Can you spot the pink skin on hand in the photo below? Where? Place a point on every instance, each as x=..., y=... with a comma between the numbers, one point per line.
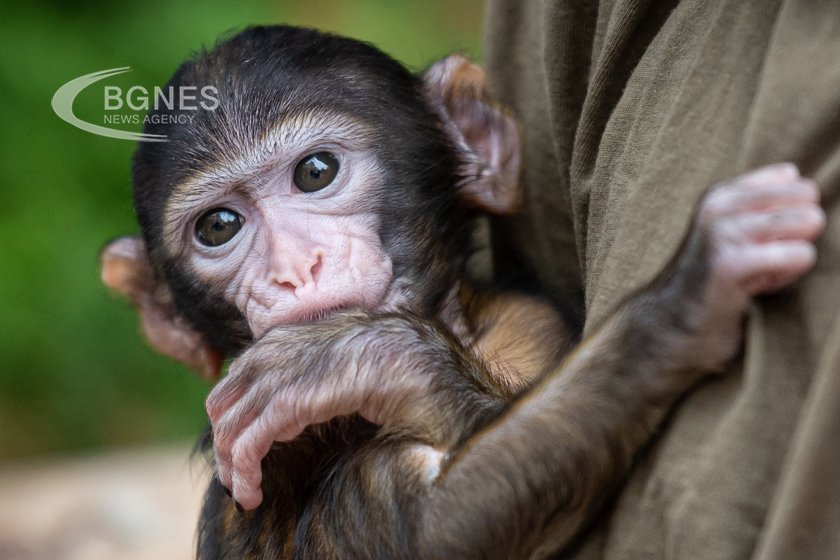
x=276, y=389
x=763, y=225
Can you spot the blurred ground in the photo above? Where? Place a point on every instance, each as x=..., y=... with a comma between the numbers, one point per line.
x=129, y=505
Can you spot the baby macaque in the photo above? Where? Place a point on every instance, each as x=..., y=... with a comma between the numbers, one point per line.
x=381, y=403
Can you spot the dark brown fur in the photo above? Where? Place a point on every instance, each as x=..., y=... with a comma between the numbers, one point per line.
x=531, y=442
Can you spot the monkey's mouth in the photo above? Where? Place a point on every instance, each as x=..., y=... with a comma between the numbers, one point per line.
x=313, y=315
x=265, y=319
x=266, y=309
x=262, y=318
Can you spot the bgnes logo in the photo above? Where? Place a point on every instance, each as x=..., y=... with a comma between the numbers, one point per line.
x=135, y=98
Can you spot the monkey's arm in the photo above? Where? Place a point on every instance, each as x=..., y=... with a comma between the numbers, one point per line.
x=453, y=475
x=538, y=470
x=526, y=483
x=444, y=479
x=449, y=483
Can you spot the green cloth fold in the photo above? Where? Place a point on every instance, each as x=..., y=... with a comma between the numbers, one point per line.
x=630, y=110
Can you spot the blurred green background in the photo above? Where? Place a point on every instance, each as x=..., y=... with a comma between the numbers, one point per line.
x=75, y=373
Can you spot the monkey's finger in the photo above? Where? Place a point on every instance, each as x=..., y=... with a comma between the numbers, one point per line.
x=242, y=412
x=248, y=452
x=774, y=173
x=223, y=467
x=228, y=428
x=224, y=440
x=769, y=283
x=733, y=199
x=246, y=494
x=773, y=266
x=226, y=394
x=224, y=463
x=800, y=222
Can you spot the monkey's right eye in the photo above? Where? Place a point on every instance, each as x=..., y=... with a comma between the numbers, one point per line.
x=218, y=226
x=316, y=172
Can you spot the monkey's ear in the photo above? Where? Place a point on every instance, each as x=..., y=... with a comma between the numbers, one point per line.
x=485, y=131
x=127, y=271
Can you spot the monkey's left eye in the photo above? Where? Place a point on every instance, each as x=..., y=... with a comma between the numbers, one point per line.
x=316, y=171
x=217, y=227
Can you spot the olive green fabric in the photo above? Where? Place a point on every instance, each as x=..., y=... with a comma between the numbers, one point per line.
x=630, y=109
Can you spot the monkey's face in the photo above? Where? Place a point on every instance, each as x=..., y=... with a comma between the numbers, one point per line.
x=327, y=177
x=289, y=228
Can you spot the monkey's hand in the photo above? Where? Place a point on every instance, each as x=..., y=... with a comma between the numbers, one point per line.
x=762, y=226
x=383, y=367
x=751, y=235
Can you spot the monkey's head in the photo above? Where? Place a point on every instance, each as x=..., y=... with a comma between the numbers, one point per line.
x=316, y=173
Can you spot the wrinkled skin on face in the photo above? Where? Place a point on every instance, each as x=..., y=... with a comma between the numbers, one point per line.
x=295, y=256
x=389, y=230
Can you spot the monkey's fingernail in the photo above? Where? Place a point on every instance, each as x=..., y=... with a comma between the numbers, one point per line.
x=238, y=506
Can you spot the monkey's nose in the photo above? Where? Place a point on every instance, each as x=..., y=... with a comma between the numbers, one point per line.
x=315, y=269
x=295, y=278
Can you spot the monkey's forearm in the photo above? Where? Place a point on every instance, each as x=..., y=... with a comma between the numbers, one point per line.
x=450, y=476
x=536, y=474
x=456, y=482
x=551, y=460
